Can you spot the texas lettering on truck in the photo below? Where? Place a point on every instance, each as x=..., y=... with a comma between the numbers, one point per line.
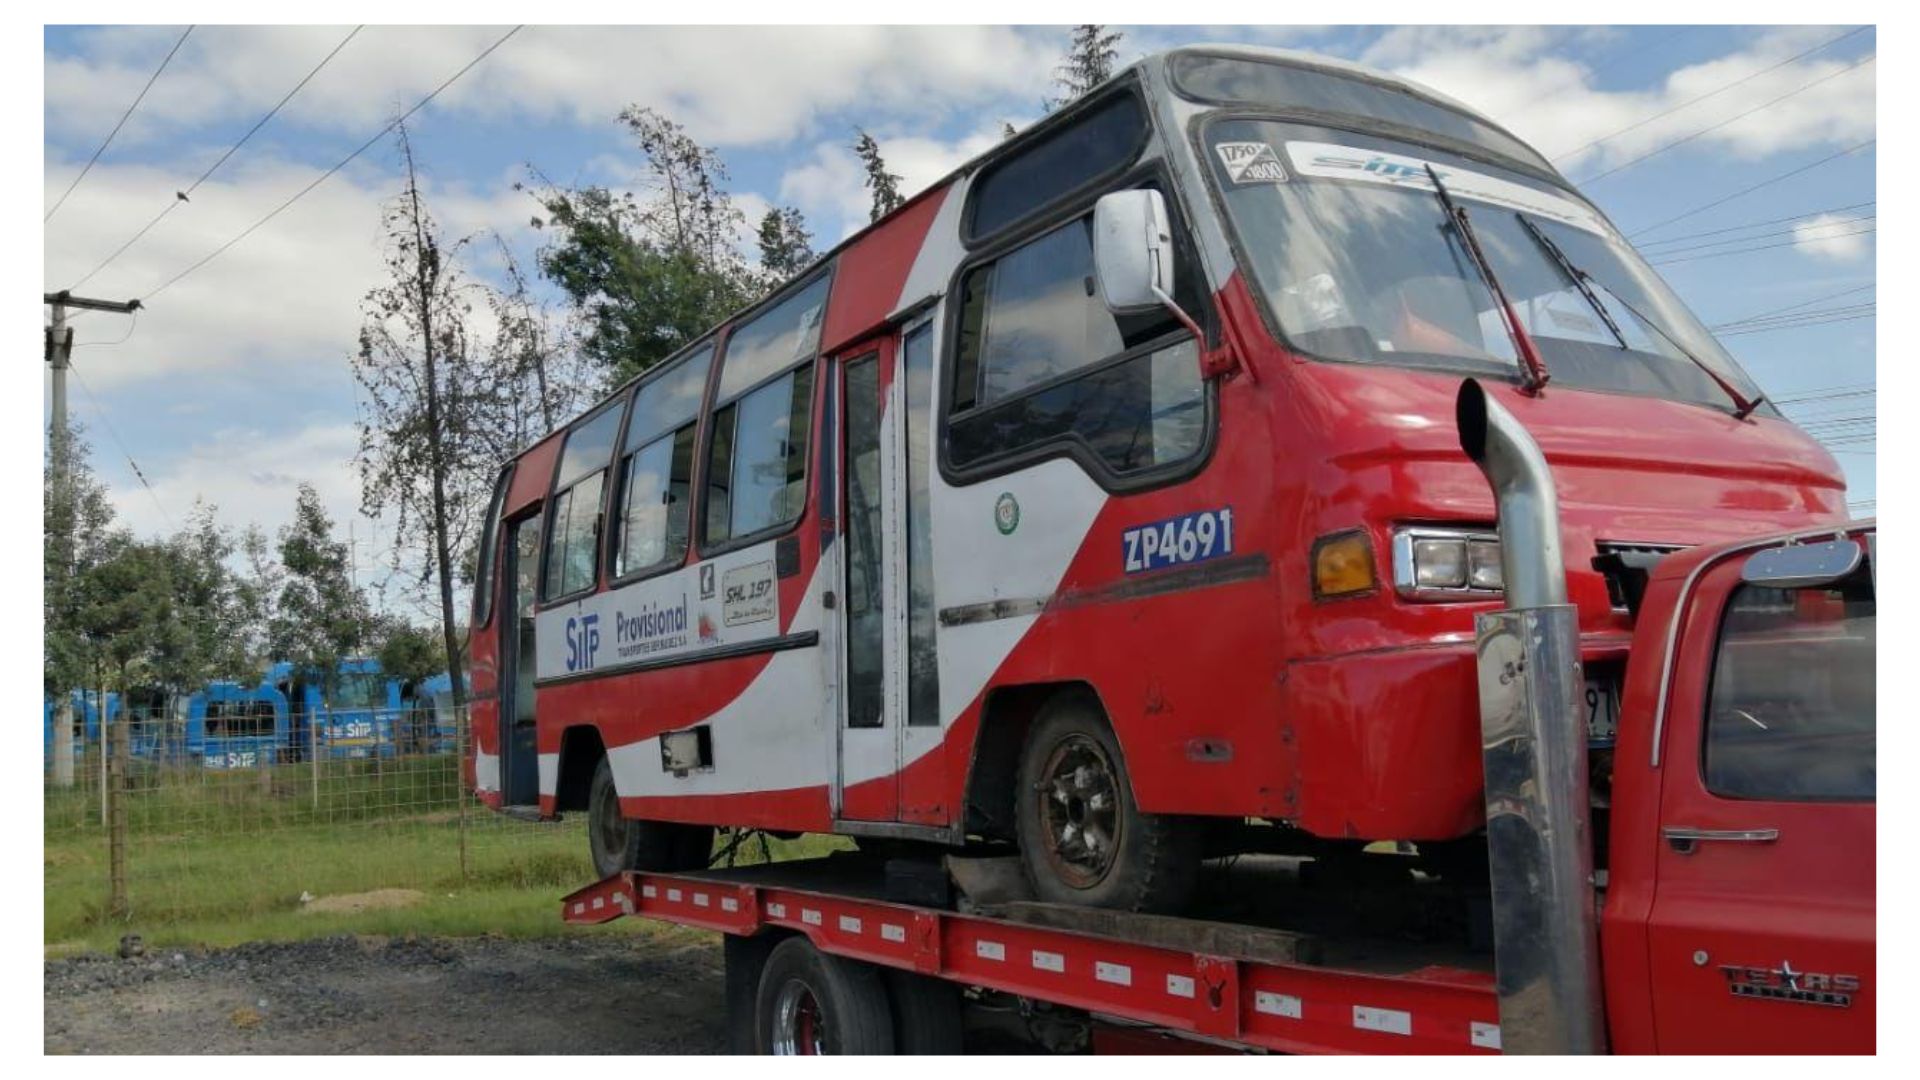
x=1162, y=487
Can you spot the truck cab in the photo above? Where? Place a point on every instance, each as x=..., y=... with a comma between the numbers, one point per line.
x=1739, y=910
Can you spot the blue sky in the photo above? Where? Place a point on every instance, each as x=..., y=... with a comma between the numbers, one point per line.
x=235, y=385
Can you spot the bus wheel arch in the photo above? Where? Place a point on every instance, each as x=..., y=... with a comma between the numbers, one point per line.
x=581, y=750
x=1082, y=835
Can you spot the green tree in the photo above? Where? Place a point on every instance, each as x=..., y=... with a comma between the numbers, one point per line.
x=647, y=275
x=1088, y=62
x=786, y=247
x=319, y=618
x=884, y=185
x=77, y=524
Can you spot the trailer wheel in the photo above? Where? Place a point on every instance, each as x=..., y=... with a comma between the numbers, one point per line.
x=813, y=1003
x=623, y=843
x=927, y=1015
x=1081, y=837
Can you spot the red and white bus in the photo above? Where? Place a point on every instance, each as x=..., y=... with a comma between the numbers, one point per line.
x=1104, y=499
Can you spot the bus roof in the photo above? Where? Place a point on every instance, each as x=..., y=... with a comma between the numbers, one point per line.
x=1152, y=62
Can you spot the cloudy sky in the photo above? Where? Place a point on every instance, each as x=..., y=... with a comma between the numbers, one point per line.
x=235, y=385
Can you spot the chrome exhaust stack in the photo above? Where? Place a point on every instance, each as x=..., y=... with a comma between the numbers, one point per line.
x=1533, y=751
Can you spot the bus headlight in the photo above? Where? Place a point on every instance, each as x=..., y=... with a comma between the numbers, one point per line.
x=1446, y=564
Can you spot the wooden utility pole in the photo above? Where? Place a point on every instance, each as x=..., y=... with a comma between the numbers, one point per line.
x=59, y=353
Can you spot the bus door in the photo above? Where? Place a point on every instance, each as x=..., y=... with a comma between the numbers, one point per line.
x=889, y=714
x=519, y=760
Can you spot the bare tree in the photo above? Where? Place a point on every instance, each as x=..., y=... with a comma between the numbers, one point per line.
x=429, y=431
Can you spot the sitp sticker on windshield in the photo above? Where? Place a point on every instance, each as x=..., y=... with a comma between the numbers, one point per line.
x=1251, y=163
x=1334, y=162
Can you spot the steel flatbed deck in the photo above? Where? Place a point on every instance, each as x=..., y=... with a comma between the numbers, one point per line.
x=1250, y=987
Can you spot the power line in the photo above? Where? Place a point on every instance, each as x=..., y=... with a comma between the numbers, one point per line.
x=113, y=434
x=116, y=128
x=1795, y=231
x=1856, y=65
x=1826, y=394
x=1767, y=320
x=1801, y=304
x=343, y=162
x=1761, y=247
x=1796, y=326
x=1713, y=93
x=180, y=197
x=1801, y=216
x=1703, y=207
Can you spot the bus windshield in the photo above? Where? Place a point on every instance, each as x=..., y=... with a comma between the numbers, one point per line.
x=1356, y=260
x=359, y=690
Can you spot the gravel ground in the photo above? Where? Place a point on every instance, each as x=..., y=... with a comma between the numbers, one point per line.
x=603, y=994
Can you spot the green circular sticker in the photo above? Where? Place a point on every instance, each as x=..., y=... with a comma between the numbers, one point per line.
x=1006, y=513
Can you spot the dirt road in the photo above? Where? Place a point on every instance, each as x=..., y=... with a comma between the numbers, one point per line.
x=608, y=994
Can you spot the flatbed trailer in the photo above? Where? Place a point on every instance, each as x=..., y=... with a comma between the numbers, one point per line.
x=1327, y=998
x=1752, y=670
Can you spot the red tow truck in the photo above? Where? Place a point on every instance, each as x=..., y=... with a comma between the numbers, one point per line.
x=1700, y=880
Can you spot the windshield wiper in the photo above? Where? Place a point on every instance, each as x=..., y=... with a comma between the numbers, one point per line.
x=1575, y=275
x=1536, y=369
x=1743, y=406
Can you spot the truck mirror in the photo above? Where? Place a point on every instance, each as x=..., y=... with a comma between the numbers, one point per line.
x=1802, y=566
x=1133, y=251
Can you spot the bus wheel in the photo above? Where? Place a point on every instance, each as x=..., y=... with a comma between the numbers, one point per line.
x=623, y=843
x=1081, y=837
x=812, y=1003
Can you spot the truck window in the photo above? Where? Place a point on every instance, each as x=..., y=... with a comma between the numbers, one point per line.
x=1791, y=711
x=574, y=532
x=656, y=470
x=1040, y=359
x=757, y=459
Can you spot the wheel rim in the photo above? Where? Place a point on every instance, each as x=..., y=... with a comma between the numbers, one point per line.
x=797, y=1023
x=1080, y=822
x=609, y=828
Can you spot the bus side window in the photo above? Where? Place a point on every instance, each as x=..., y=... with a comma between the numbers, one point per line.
x=573, y=533
x=1040, y=359
x=757, y=456
x=656, y=468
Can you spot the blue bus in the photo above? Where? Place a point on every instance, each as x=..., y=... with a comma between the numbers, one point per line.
x=230, y=726
x=437, y=718
x=86, y=715
x=357, y=723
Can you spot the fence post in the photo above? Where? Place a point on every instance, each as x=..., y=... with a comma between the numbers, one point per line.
x=313, y=756
x=63, y=741
x=116, y=769
x=460, y=783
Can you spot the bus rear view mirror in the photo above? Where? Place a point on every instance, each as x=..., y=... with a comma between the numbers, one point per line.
x=1802, y=566
x=1133, y=251
x=1133, y=260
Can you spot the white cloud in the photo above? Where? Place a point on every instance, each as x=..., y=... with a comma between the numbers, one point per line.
x=728, y=85
x=288, y=295
x=1522, y=78
x=830, y=186
x=1832, y=237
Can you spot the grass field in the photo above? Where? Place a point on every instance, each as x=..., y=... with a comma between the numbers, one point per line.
x=218, y=859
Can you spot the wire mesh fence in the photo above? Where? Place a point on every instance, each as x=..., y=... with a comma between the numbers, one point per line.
x=171, y=819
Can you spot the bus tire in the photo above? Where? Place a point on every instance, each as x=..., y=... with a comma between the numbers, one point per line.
x=1082, y=838
x=622, y=843
x=927, y=1017
x=813, y=1003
